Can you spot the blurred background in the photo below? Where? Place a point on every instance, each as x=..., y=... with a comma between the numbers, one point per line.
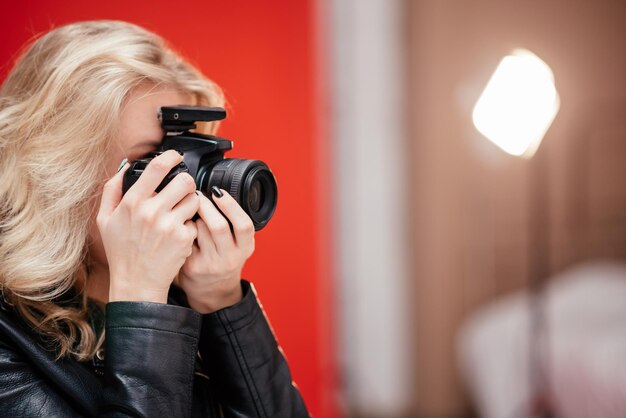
x=414, y=268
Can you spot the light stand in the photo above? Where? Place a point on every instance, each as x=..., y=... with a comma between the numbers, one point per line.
x=538, y=270
x=514, y=111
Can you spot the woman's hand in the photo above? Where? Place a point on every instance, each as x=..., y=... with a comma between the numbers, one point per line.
x=211, y=275
x=146, y=235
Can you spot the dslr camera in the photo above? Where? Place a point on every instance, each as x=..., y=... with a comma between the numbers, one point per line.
x=250, y=182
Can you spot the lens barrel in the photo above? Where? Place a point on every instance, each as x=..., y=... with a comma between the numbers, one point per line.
x=249, y=182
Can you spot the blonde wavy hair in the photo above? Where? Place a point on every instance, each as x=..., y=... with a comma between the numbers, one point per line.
x=59, y=111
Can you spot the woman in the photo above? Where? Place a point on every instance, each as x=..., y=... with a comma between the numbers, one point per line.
x=90, y=322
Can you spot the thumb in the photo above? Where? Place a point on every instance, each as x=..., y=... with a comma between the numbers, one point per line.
x=112, y=192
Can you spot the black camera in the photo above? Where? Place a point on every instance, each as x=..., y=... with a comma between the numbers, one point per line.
x=250, y=182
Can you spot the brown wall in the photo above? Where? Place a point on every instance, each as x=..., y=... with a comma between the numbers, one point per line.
x=471, y=224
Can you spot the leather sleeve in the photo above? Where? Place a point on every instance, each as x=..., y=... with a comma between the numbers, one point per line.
x=246, y=366
x=150, y=359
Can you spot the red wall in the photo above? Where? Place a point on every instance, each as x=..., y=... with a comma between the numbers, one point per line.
x=264, y=56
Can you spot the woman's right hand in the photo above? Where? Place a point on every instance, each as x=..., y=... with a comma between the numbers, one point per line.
x=147, y=236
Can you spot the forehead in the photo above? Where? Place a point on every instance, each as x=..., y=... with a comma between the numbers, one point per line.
x=139, y=121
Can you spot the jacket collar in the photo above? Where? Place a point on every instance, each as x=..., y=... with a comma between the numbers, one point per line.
x=68, y=375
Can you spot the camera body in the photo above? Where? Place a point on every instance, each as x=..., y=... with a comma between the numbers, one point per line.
x=250, y=182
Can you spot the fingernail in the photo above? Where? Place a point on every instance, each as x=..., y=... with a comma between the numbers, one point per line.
x=216, y=191
x=122, y=164
x=180, y=152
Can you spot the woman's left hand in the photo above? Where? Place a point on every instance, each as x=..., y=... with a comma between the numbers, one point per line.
x=211, y=275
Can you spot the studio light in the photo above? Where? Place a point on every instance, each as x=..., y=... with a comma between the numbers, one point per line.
x=518, y=104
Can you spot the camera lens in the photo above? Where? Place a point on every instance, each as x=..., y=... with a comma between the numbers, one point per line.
x=255, y=196
x=250, y=182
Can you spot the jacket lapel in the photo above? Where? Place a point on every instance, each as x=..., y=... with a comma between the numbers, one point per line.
x=66, y=375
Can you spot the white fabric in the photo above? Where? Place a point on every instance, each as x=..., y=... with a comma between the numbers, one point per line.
x=586, y=313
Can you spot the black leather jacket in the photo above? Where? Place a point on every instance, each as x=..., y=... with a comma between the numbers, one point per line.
x=159, y=361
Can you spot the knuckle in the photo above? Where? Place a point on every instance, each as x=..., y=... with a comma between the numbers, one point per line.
x=130, y=202
x=159, y=164
x=186, y=178
x=187, y=182
x=148, y=215
x=245, y=228
x=167, y=227
x=179, y=235
x=219, y=227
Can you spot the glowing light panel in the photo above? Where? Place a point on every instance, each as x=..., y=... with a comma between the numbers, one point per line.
x=518, y=104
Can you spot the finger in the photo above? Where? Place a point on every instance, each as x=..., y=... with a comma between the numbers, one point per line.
x=218, y=226
x=186, y=208
x=176, y=190
x=154, y=174
x=192, y=230
x=204, y=239
x=243, y=228
x=112, y=193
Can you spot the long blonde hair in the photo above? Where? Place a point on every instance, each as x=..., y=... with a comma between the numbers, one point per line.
x=59, y=109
